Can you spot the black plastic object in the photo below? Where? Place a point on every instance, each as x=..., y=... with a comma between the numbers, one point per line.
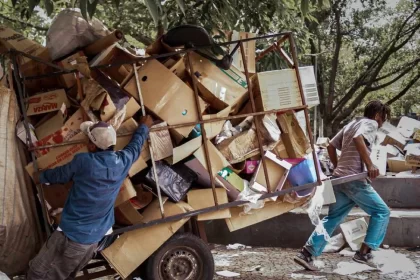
x=196, y=36
x=174, y=180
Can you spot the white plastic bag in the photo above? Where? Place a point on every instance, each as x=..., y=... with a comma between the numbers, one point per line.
x=69, y=31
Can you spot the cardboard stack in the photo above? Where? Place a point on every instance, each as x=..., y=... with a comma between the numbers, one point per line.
x=400, y=148
x=111, y=95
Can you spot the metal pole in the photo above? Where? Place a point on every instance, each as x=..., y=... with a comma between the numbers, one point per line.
x=39, y=187
x=203, y=131
x=257, y=124
x=302, y=95
x=143, y=111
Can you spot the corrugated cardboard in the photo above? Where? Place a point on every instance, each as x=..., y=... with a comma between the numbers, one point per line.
x=132, y=248
x=165, y=95
x=10, y=39
x=131, y=125
x=395, y=138
x=296, y=142
x=328, y=193
x=21, y=133
x=69, y=80
x=52, y=124
x=132, y=107
x=407, y=126
x=60, y=155
x=220, y=88
x=280, y=90
x=378, y=156
x=412, y=160
x=56, y=195
x=354, y=232
x=161, y=142
x=127, y=191
x=200, y=199
x=47, y=102
x=280, y=150
x=270, y=210
x=397, y=164
x=218, y=162
x=65, y=133
x=277, y=173
x=126, y=214
x=177, y=67
x=249, y=51
x=185, y=150
x=214, y=128
x=110, y=55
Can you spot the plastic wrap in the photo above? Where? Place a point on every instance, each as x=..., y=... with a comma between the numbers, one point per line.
x=174, y=180
x=301, y=174
x=69, y=31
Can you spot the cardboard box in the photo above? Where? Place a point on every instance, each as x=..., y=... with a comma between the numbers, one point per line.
x=378, y=156
x=52, y=123
x=161, y=143
x=132, y=107
x=396, y=139
x=249, y=51
x=397, y=164
x=407, y=126
x=214, y=128
x=270, y=210
x=126, y=192
x=328, y=193
x=56, y=195
x=177, y=67
x=412, y=160
x=220, y=88
x=21, y=133
x=280, y=90
x=294, y=139
x=126, y=214
x=416, y=135
x=280, y=150
x=185, y=150
x=10, y=39
x=110, y=55
x=60, y=155
x=354, y=232
x=70, y=128
x=127, y=253
x=172, y=100
x=47, y=102
x=228, y=175
x=69, y=80
x=128, y=126
x=277, y=174
x=200, y=199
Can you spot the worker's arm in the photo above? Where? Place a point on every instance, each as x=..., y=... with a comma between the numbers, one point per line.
x=59, y=175
x=361, y=147
x=133, y=149
x=332, y=152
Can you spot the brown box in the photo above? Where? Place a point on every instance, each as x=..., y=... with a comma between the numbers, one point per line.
x=249, y=50
x=200, y=199
x=165, y=95
x=397, y=164
x=293, y=137
x=131, y=125
x=220, y=88
x=69, y=80
x=47, y=102
x=127, y=214
x=127, y=253
x=161, y=142
x=52, y=123
x=396, y=139
x=127, y=191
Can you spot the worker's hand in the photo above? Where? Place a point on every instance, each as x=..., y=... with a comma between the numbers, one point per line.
x=146, y=120
x=35, y=177
x=373, y=171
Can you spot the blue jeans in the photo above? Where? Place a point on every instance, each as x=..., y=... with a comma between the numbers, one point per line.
x=347, y=196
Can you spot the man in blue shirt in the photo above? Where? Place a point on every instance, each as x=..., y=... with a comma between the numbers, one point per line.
x=88, y=214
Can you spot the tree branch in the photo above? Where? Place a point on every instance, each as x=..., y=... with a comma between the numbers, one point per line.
x=335, y=60
x=24, y=23
x=395, y=71
x=402, y=74
x=405, y=90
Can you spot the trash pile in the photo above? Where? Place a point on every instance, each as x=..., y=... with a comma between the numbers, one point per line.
x=56, y=105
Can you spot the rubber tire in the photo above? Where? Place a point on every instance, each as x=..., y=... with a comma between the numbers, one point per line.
x=187, y=240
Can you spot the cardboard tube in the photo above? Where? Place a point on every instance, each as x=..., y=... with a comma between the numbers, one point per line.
x=103, y=43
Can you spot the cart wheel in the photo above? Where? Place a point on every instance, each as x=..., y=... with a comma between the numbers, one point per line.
x=183, y=257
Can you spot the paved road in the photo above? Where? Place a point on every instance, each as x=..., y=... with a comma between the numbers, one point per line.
x=277, y=263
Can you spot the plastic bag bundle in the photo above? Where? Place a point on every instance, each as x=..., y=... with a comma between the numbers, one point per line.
x=69, y=31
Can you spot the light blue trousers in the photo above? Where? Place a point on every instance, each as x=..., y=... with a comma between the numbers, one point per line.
x=347, y=196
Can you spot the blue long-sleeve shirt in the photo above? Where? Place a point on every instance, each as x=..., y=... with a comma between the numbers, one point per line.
x=97, y=177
